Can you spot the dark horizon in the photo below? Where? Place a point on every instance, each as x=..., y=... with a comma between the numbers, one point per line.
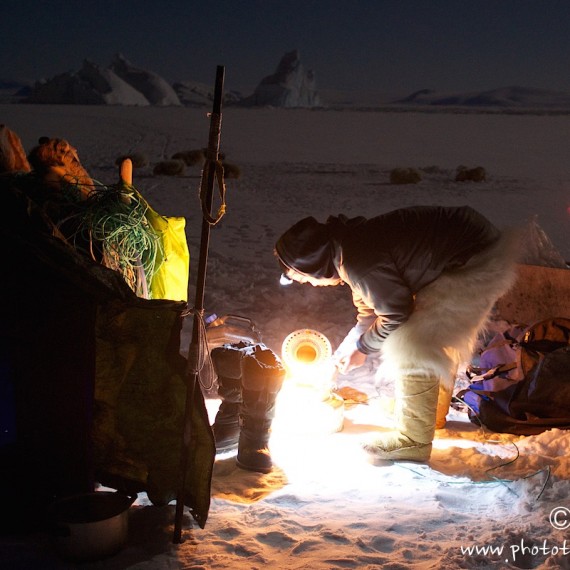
x=382, y=45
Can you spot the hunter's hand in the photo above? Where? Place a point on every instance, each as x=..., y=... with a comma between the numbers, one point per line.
x=350, y=361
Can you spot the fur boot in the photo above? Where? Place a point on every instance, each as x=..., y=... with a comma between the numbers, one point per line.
x=443, y=403
x=262, y=378
x=416, y=403
x=226, y=360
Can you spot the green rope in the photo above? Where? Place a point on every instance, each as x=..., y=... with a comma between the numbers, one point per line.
x=492, y=478
x=113, y=218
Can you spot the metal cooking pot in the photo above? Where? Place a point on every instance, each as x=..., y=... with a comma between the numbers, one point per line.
x=90, y=526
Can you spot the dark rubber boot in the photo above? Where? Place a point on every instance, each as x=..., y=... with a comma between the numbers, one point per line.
x=262, y=378
x=226, y=360
x=226, y=425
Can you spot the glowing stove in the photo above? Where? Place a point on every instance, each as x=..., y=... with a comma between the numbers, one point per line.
x=306, y=403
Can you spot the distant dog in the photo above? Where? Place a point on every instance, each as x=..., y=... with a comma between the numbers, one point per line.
x=173, y=167
x=465, y=174
x=405, y=176
x=191, y=157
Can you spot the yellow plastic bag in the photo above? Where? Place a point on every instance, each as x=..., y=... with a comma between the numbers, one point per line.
x=170, y=281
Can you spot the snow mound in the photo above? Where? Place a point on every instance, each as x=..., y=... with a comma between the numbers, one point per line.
x=289, y=86
x=91, y=85
x=194, y=94
x=156, y=90
x=505, y=97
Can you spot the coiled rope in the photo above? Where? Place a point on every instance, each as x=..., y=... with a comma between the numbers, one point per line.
x=199, y=354
x=112, y=219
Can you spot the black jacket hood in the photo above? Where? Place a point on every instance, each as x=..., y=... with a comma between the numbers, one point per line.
x=307, y=247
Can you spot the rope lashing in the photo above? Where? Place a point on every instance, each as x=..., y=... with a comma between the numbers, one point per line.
x=212, y=160
x=199, y=358
x=219, y=175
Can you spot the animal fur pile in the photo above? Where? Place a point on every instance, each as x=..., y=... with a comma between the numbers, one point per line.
x=55, y=161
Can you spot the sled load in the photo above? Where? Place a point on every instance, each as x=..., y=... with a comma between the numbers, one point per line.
x=94, y=297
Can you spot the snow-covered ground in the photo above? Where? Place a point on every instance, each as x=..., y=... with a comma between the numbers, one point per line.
x=324, y=506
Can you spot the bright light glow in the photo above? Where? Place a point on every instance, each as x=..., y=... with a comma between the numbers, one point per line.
x=301, y=411
x=306, y=404
x=442, y=443
x=284, y=280
x=307, y=355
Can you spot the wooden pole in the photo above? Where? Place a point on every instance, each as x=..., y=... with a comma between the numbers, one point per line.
x=194, y=353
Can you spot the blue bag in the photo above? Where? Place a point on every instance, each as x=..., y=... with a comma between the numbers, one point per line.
x=522, y=383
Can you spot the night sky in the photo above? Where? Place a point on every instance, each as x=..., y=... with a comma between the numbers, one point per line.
x=387, y=45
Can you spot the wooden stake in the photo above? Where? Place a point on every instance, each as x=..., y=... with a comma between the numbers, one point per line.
x=194, y=351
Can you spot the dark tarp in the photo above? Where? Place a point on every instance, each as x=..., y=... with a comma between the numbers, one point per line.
x=93, y=374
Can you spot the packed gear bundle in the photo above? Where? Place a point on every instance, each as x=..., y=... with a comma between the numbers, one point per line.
x=96, y=384
x=99, y=365
x=521, y=383
x=111, y=224
x=250, y=377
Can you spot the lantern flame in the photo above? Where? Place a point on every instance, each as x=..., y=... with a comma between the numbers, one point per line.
x=306, y=403
x=307, y=355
